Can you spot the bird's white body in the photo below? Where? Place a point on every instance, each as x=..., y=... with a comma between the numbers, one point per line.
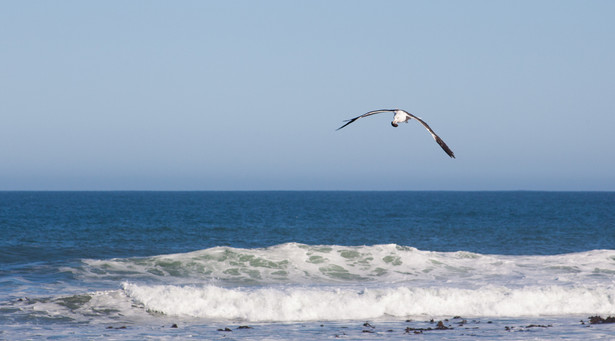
x=400, y=117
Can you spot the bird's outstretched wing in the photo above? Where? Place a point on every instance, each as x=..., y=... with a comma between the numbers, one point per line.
x=365, y=115
x=433, y=134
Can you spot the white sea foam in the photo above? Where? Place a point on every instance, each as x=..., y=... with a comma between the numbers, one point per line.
x=105, y=306
x=300, y=283
x=331, y=303
x=302, y=264
x=296, y=282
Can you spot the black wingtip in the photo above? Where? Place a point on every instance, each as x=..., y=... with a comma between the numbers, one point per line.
x=347, y=123
x=446, y=149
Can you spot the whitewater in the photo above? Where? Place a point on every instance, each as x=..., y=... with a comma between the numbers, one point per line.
x=125, y=266
x=294, y=282
x=297, y=283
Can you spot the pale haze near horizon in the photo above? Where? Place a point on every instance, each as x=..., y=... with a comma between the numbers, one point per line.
x=242, y=95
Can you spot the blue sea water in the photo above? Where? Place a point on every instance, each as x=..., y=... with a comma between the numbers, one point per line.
x=306, y=265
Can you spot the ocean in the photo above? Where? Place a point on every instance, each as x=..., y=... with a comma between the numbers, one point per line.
x=307, y=265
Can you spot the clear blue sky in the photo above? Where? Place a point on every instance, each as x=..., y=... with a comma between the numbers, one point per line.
x=246, y=95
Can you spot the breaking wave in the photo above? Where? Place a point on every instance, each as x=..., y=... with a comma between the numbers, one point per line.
x=327, y=303
x=297, y=282
x=294, y=263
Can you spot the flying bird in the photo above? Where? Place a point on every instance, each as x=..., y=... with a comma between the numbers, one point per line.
x=403, y=116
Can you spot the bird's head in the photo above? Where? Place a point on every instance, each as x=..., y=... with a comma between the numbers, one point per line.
x=394, y=124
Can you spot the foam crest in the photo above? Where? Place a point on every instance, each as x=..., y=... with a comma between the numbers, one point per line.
x=302, y=264
x=328, y=303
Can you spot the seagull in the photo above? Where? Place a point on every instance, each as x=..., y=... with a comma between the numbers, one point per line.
x=403, y=116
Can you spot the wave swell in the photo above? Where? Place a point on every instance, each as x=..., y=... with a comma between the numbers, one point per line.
x=326, y=264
